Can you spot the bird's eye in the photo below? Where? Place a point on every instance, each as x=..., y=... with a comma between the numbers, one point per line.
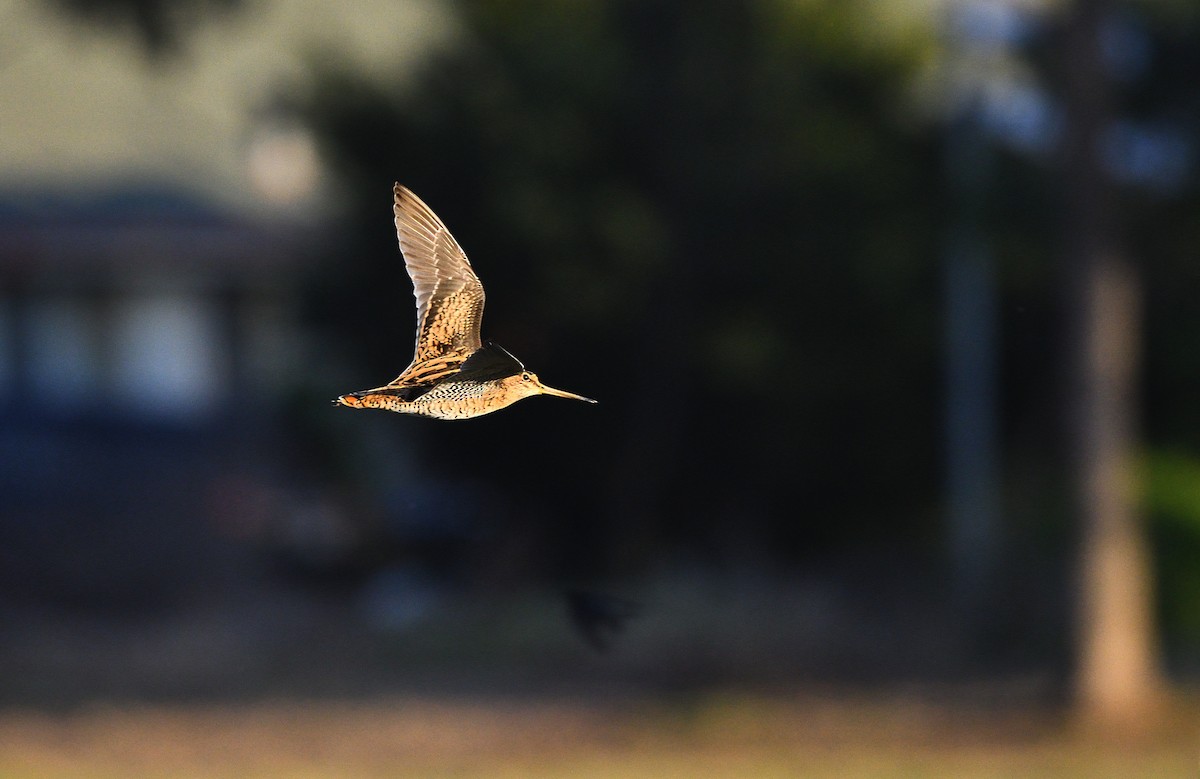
x=524, y=377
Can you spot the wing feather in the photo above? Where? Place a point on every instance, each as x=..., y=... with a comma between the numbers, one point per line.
x=449, y=295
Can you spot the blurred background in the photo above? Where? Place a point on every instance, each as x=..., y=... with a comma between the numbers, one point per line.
x=889, y=306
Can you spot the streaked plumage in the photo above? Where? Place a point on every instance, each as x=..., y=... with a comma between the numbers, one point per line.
x=453, y=375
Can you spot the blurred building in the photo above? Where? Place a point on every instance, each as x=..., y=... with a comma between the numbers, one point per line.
x=157, y=216
x=141, y=333
x=140, y=305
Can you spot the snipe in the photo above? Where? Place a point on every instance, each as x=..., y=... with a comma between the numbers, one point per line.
x=453, y=375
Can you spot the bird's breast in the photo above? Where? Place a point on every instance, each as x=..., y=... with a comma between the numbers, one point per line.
x=462, y=400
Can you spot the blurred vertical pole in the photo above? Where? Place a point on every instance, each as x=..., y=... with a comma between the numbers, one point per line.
x=970, y=373
x=970, y=346
x=1117, y=679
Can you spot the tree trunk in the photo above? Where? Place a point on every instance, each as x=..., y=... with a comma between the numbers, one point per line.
x=1117, y=679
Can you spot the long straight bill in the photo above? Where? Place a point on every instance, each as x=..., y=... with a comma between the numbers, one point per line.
x=564, y=394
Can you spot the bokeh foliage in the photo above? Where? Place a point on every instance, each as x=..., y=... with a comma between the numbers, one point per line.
x=1171, y=497
x=726, y=221
x=711, y=216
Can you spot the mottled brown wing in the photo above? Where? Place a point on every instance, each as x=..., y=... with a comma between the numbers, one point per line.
x=449, y=295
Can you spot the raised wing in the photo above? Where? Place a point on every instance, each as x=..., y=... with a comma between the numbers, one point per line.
x=449, y=295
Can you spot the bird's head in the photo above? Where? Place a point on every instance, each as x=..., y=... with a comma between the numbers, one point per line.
x=526, y=384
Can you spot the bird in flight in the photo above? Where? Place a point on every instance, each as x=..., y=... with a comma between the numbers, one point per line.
x=453, y=374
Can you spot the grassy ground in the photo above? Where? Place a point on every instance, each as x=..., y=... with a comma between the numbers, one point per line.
x=711, y=680
x=715, y=735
